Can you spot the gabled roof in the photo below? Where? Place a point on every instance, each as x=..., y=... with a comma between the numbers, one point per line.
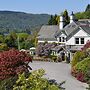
x=72, y=28
x=47, y=32
x=50, y=32
x=86, y=29
x=73, y=33
x=83, y=22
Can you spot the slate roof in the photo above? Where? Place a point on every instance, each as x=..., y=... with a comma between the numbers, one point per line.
x=86, y=29
x=57, y=48
x=70, y=28
x=73, y=33
x=47, y=32
x=74, y=27
x=50, y=32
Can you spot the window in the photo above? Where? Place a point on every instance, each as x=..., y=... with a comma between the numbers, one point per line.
x=82, y=40
x=59, y=39
x=79, y=40
x=76, y=40
x=63, y=39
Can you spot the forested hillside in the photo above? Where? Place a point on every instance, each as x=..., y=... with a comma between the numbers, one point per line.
x=85, y=14
x=20, y=21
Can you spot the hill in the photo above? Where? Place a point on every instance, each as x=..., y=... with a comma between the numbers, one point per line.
x=20, y=21
x=88, y=7
x=85, y=14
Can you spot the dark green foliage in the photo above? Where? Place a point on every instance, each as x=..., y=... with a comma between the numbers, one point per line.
x=3, y=46
x=17, y=40
x=26, y=41
x=7, y=84
x=88, y=7
x=83, y=15
x=66, y=17
x=50, y=20
x=11, y=40
x=84, y=68
x=19, y=21
x=53, y=20
x=88, y=76
x=22, y=36
x=1, y=39
x=26, y=45
x=78, y=56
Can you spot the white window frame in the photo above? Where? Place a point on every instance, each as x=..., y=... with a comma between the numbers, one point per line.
x=79, y=40
x=62, y=39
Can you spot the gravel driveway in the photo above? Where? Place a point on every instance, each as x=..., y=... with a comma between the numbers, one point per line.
x=60, y=72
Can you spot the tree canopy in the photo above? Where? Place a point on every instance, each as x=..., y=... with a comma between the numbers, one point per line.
x=55, y=19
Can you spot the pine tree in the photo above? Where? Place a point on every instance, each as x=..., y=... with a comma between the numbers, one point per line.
x=53, y=20
x=50, y=20
x=87, y=8
x=66, y=17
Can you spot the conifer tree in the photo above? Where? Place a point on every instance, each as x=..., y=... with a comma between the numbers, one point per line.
x=66, y=17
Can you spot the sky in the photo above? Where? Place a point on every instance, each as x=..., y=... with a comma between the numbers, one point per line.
x=44, y=6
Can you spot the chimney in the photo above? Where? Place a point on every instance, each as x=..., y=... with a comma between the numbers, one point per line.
x=61, y=24
x=72, y=17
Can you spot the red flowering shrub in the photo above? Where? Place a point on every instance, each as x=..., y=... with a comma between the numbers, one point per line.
x=86, y=46
x=13, y=62
x=81, y=77
x=82, y=70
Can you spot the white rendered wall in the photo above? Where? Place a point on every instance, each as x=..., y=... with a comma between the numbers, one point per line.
x=80, y=34
x=71, y=19
x=61, y=24
x=62, y=35
x=41, y=41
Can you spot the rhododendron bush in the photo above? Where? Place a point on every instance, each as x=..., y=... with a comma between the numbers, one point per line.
x=81, y=64
x=86, y=46
x=12, y=63
x=44, y=49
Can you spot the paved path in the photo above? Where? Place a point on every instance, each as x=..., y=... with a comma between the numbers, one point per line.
x=60, y=72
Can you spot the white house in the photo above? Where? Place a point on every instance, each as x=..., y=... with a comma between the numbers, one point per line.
x=73, y=36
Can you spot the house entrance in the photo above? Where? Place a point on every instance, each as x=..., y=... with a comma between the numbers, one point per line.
x=62, y=56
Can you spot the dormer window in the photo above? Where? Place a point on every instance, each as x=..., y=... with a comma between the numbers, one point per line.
x=61, y=39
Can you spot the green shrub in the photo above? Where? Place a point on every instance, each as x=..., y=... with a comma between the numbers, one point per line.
x=34, y=82
x=3, y=47
x=7, y=84
x=83, y=65
x=78, y=56
x=53, y=57
x=84, y=68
